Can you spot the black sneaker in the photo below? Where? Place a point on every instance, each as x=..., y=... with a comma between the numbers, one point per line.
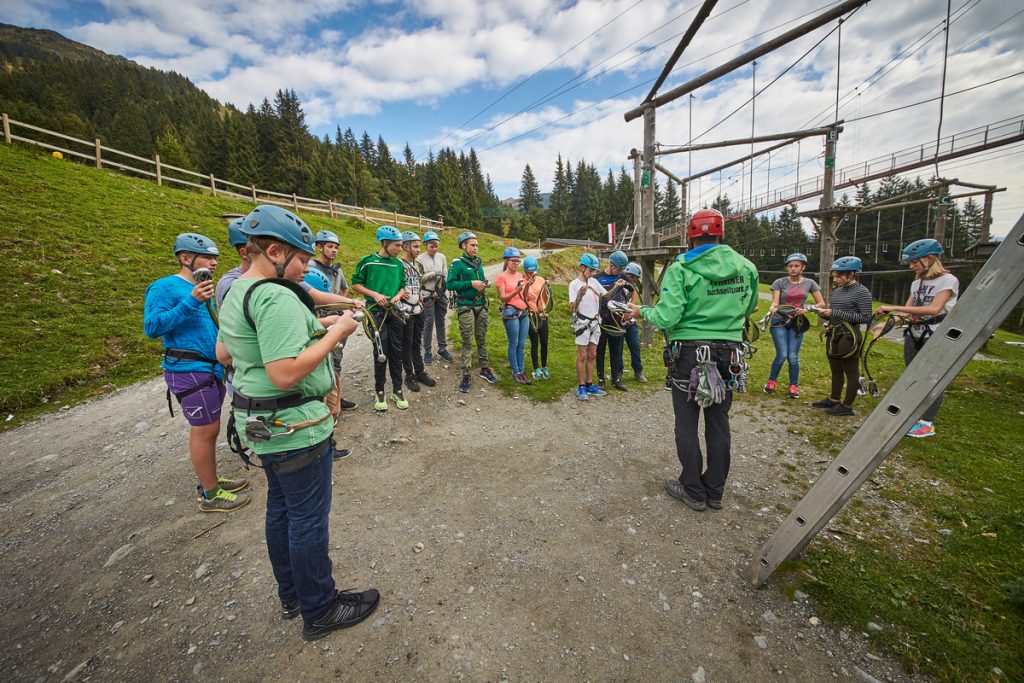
x=428, y=359
x=600, y=382
x=425, y=379
x=676, y=490
x=444, y=355
x=290, y=608
x=825, y=403
x=464, y=384
x=617, y=383
x=840, y=409
x=342, y=453
x=410, y=382
x=348, y=405
x=714, y=504
x=348, y=610
x=486, y=374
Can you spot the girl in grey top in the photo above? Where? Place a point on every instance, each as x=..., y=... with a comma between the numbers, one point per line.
x=851, y=303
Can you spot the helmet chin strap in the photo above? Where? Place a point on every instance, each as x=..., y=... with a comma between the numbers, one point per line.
x=279, y=269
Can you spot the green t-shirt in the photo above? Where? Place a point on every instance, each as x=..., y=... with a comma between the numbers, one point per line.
x=284, y=327
x=384, y=275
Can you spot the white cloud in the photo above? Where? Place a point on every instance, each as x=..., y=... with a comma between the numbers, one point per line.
x=131, y=37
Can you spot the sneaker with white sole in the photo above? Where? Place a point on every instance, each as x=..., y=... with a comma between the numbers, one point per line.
x=921, y=430
x=581, y=394
x=380, y=403
x=220, y=500
x=400, y=401
x=232, y=485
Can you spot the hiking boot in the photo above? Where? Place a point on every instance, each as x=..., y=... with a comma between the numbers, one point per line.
x=380, y=404
x=769, y=386
x=825, y=403
x=348, y=610
x=425, y=379
x=399, y=400
x=348, y=405
x=544, y=371
x=581, y=394
x=639, y=377
x=220, y=500
x=538, y=374
x=617, y=383
x=715, y=504
x=676, y=490
x=840, y=409
x=464, y=384
x=486, y=374
x=595, y=390
x=290, y=608
x=232, y=485
x=794, y=391
x=410, y=382
x=428, y=359
x=921, y=430
x=446, y=356
x=342, y=453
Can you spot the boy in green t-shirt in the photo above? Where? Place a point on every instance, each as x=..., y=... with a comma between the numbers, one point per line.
x=380, y=277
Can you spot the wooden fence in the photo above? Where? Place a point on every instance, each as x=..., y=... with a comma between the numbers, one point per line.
x=161, y=172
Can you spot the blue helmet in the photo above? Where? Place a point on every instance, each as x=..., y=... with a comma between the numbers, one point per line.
x=466, y=236
x=619, y=259
x=795, y=257
x=317, y=280
x=281, y=224
x=194, y=243
x=511, y=252
x=847, y=263
x=530, y=264
x=327, y=236
x=410, y=236
x=388, y=232
x=925, y=247
x=633, y=269
x=590, y=261
x=235, y=236
x=430, y=235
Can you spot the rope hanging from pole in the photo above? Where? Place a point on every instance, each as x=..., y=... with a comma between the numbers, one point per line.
x=942, y=96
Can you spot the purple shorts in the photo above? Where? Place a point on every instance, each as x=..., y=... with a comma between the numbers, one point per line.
x=201, y=407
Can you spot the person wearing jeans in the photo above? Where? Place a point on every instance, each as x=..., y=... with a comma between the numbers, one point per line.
x=788, y=330
x=510, y=285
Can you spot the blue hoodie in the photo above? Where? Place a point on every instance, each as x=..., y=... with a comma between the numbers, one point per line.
x=183, y=321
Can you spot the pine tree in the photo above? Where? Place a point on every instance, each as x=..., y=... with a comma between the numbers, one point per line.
x=170, y=150
x=561, y=203
x=529, y=191
x=242, y=154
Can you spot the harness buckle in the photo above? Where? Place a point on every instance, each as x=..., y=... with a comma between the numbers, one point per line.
x=257, y=429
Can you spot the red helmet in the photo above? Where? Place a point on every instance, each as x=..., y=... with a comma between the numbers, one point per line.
x=706, y=222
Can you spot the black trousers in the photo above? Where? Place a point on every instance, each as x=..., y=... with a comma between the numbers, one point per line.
x=614, y=346
x=412, y=345
x=392, y=332
x=848, y=369
x=539, y=338
x=699, y=481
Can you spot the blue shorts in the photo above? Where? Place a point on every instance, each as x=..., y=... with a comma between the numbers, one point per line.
x=201, y=407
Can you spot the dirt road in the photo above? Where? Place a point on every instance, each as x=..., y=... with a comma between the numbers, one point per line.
x=550, y=550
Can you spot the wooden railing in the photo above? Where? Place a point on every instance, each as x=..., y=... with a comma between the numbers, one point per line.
x=162, y=172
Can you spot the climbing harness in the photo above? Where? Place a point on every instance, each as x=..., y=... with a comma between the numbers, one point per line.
x=582, y=323
x=543, y=303
x=259, y=427
x=189, y=354
x=880, y=326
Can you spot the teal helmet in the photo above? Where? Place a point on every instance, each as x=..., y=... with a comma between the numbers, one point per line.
x=619, y=259
x=430, y=235
x=317, y=280
x=511, y=252
x=281, y=224
x=530, y=264
x=466, y=236
x=590, y=261
x=845, y=263
x=410, y=236
x=633, y=269
x=925, y=247
x=235, y=236
x=194, y=243
x=388, y=233
x=327, y=236
x=795, y=257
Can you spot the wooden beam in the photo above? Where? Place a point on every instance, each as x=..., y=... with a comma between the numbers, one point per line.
x=747, y=57
x=684, y=42
x=720, y=167
x=791, y=137
x=668, y=173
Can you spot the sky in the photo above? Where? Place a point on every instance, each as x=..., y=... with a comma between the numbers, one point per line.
x=522, y=82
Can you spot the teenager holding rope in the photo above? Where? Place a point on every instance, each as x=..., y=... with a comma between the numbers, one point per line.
x=327, y=245
x=613, y=336
x=510, y=285
x=537, y=294
x=585, y=307
x=279, y=350
x=932, y=295
x=466, y=279
x=632, y=274
x=788, y=329
x=849, y=308
x=706, y=295
x=177, y=309
x=412, y=307
x=434, y=269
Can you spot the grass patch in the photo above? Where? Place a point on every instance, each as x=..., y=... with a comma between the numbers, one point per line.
x=80, y=246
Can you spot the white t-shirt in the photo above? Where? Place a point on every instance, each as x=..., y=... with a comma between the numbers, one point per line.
x=923, y=292
x=590, y=304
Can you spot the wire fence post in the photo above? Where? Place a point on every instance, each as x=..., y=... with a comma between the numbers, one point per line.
x=159, y=178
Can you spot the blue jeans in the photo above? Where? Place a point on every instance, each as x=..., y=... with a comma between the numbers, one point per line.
x=633, y=342
x=517, y=330
x=787, y=348
x=298, y=505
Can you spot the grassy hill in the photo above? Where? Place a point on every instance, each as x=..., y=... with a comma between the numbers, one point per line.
x=80, y=246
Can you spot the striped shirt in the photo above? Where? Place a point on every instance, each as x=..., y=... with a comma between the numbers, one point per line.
x=852, y=303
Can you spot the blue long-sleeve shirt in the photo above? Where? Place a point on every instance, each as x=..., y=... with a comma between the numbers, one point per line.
x=171, y=312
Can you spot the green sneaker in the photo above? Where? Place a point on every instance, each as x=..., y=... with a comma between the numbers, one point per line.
x=232, y=485
x=380, y=404
x=399, y=400
x=538, y=374
x=220, y=500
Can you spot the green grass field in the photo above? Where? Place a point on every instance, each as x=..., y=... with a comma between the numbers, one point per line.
x=80, y=246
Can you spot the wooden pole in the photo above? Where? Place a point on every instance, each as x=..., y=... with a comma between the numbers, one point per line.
x=295, y=202
x=332, y=209
x=647, y=191
x=747, y=57
x=213, y=185
x=684, y=42
x=722, y=167
x=99, y=159
x=829, y=223
x=940, y=217
x=789, y=137
x=638, y=208
x=7, y=130
x=254, y=201
x=986, y=219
